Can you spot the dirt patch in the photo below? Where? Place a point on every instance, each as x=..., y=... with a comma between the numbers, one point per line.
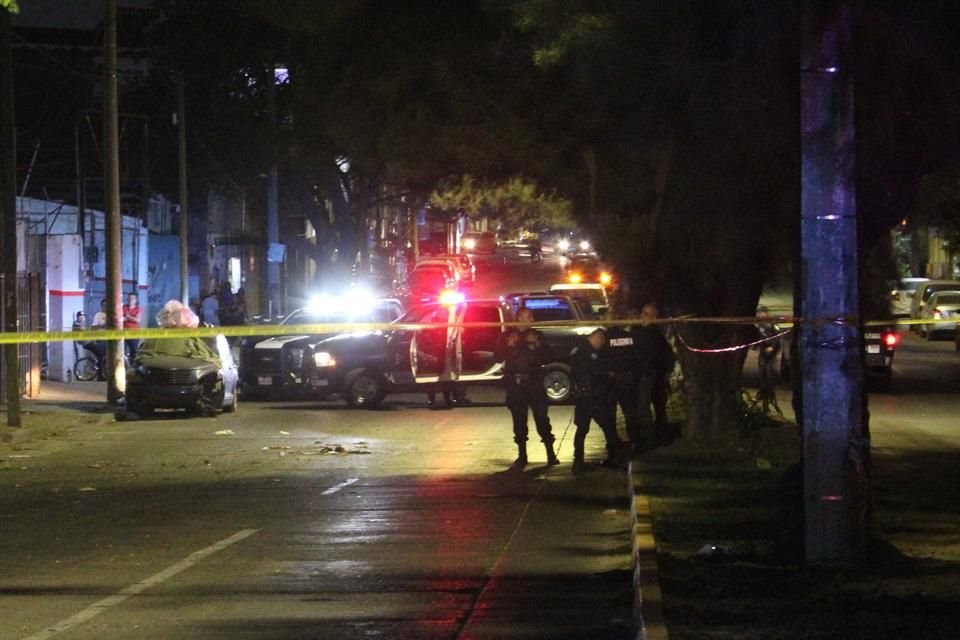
x=729, y=547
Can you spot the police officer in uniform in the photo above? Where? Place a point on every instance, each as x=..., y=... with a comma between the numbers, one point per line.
x=524, y=353
x=652, y=348
x=626, y=366
x=595, y=397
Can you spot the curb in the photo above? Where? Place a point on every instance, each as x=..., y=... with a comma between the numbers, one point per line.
x=647, y=597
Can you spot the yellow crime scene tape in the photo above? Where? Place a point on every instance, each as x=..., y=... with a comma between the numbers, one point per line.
x=271, y=330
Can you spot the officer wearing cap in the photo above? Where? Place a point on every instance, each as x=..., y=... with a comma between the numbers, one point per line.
x=524, y=353
x=594, y=394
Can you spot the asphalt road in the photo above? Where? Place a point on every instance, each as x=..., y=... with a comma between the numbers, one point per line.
x=299, y=519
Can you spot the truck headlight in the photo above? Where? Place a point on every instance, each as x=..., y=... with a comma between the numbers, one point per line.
x=324, y=359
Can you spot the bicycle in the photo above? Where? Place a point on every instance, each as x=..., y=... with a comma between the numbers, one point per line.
x=87, y=368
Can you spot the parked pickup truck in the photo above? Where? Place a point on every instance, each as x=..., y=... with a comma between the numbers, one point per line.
x=277, y=364
x=365, y=367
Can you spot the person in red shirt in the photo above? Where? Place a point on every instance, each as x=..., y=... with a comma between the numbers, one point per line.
x=131, y=320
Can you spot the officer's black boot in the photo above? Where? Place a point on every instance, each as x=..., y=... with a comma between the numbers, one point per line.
x=578, y=444
x=551, y=456
x=578, y=463
x=521, y=460
x=613, y=458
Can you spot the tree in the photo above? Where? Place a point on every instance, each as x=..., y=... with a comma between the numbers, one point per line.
x=517, y=203
x=938, y=205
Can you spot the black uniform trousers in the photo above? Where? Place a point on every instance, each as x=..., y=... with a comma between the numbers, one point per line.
x=602, y=410
x=626, y=398
x=524, y=396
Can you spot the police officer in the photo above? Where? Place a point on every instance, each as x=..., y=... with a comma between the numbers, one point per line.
x=652, y=348
x=524, y=354
x=625, y=363
x=595, y=397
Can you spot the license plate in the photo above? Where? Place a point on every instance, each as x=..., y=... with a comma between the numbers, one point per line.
x=264, y=381
x=320, y=383
x=872, y=336
x=873, y=348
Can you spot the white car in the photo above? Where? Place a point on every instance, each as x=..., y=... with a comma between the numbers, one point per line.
x=942, y=307
x=902, y=297
x=923, y=293
x=595, y=293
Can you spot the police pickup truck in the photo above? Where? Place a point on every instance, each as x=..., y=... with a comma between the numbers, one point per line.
x=365, y=367
x=277, y=364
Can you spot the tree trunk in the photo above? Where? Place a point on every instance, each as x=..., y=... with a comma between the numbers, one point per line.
x=712, y=381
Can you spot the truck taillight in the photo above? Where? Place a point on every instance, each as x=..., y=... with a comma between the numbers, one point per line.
x=891, y=339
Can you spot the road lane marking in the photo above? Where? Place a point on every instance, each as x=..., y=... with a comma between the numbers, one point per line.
x=332, y=490
x=101, y=606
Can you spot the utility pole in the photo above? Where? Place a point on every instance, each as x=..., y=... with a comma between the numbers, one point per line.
x=8, y=217
x=116, y=378
x=273, y=198
x=835, y=445
x=184, y=245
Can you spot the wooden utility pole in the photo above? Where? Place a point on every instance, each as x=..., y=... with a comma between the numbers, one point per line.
x=835, y=446
x=8, y=217
x=184, y=245
x=116, y=378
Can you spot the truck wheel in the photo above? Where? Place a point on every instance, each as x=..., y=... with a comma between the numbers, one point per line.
x=365, y=390
x=557, y=382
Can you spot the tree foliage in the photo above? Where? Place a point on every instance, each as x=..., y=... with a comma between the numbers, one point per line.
x=938, y=205
x=517, y=203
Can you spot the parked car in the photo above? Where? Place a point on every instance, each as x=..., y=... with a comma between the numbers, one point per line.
x=276, y=364
x=365, y=368
x=583, y=267
x=456, y=270
x=468, y=268
x=529, y=248
x=473, y=242
x=943, y=310
x=901, y=297
x=157, y=379
x=426, y=283
x=923, y=293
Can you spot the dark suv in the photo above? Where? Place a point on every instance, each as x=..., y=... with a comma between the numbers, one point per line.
x=278, y=363
x=365, y=368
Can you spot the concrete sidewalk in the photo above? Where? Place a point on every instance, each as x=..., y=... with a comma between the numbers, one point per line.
x=45, y=414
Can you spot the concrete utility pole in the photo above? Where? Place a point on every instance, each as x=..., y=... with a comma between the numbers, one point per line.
x=835, y=445
x=184, y=245
x=116, y=377
x=8, y=217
